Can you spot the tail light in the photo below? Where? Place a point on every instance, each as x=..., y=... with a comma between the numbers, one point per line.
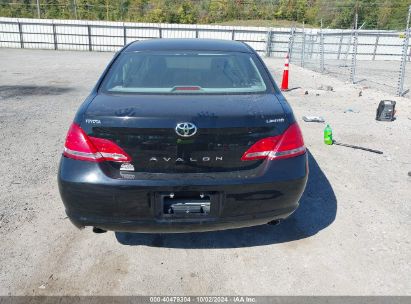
x=82, y=147
x=289, y=144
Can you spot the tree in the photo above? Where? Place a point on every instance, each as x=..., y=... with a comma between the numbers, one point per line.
x=156, y=12
x=186, y=13
x=382, y=14
x=218, y=10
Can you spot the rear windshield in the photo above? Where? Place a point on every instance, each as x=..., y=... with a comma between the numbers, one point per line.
x=185, y=72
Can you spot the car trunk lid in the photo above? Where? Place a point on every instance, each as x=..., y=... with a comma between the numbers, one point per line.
x=145, y=127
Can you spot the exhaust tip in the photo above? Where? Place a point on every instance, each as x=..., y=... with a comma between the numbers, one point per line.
x=98, y=230
x=274, y=222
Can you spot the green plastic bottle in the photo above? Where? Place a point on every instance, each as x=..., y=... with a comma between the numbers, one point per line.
x=328, y=135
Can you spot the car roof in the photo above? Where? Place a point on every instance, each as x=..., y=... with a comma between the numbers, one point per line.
x=188, y=45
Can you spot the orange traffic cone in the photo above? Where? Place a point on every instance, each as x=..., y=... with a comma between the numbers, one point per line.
x=284, y=84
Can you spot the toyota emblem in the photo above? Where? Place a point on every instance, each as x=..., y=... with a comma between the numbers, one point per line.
x=186, y=129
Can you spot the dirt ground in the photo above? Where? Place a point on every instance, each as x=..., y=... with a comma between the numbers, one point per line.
x=351, y=235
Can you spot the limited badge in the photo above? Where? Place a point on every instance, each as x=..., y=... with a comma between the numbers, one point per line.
x=127, y=167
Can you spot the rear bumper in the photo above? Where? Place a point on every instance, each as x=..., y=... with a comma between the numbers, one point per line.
x=179, y=226
x=92, y=198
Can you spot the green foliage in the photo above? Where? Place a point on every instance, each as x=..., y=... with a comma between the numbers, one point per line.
x=218, y=10
x=374, y=14
x=186, y=13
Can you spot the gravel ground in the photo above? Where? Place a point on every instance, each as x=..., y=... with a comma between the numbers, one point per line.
x=351, y=235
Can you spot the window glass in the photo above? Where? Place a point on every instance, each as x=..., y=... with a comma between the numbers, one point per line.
x=185, y=72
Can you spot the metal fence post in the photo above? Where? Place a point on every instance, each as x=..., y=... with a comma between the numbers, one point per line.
x=400, y=90
x=232, y=34
x=160, y=33
x=303, y=49
x=273, y=44
x=347, y=50
x=54, y=36
x=321, y=48
x=124, y=34
x=376, y=46
x=291, y=43
x=354, y=53
x=268, y=43
x=354, y=58
x=311, y=47
x=90, y=46
x=21, y=36
x=340, y=45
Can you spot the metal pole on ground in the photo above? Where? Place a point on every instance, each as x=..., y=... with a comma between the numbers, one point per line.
x=400, y=89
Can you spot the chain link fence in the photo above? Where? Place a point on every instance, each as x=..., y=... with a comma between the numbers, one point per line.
x=374, y=59
x=371, y=58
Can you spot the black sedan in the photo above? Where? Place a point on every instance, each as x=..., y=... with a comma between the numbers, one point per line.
x=183, y=135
